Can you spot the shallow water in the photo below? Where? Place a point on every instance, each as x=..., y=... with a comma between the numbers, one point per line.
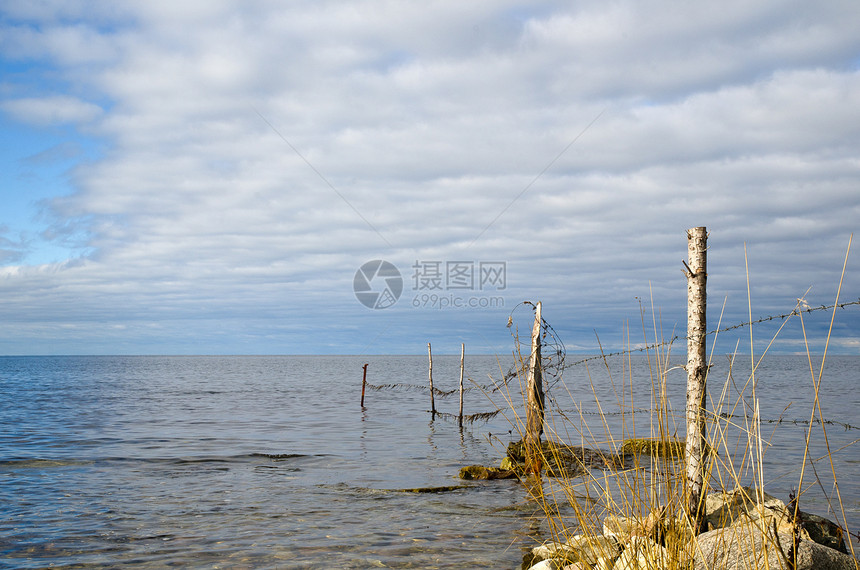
x=241, y=461
x=270, y=461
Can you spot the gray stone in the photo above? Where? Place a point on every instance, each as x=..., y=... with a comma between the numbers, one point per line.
x=823, y=531
x=742, y=547
x=741, y=507
x=643, y=554
x=579, y=548
x=550, y=549
x=550, y=564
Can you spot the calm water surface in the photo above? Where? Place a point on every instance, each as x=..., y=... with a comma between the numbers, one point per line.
x=270, y=461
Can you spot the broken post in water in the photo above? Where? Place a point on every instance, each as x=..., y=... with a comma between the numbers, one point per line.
x=534, y=401
x=432, y=395
x=696, y=271
x=462, y=359
x=363, y=384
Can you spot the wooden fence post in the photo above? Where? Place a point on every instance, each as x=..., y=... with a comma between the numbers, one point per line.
x=462, y=360
x=696, y=271
x=432, y=395
x=363, y=384
x=535, y=401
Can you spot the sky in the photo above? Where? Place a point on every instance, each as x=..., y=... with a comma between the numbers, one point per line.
x=355, y=177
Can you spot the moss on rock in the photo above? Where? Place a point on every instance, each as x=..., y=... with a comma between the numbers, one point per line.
x=562, y=460
x=480, y=472
x=665, y=448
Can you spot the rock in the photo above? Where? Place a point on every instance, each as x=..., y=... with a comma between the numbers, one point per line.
x=444, y=489
x=665, y=448
x=509, y=465
x=569, y=460
x=579, y=548
x=589, y=549
x=550, y=564
x=741, y=547
x=656, y=526
x=740, y=507
x=620, y=527
x=481, y=472
x=550, y=549
x=643, y=553
x=823, y=531
x=474, y=472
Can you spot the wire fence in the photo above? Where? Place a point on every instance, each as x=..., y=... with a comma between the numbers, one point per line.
x=555, y=362
x=671, y=341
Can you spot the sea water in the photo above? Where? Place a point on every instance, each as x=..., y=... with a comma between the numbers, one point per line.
x=271, y=462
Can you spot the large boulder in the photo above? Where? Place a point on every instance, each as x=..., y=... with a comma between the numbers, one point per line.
x=744, y=505
x=745, y=546
x=747, y=505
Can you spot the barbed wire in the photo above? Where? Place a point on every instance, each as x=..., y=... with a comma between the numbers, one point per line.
x=426, y=389
x=653, y=346
x=554, y=363
x=468, y=418
x=486, y=416
x=681, y=414
x=554, y=360
x=815, y=421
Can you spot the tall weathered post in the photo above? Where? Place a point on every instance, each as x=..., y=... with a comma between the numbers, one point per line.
x=696, y=271
x=462, y=361
x=432, y=394
x=534, y=401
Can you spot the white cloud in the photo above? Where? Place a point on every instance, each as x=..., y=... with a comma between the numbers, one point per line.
x=431, y=122
x=55, y=110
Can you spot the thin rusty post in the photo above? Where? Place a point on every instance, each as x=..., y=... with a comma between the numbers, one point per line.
x=363, y=384
x=432, y=392
x=696, y=272
x=462, y=360
x=535, y=401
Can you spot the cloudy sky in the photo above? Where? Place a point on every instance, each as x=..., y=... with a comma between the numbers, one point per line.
x=208, y=177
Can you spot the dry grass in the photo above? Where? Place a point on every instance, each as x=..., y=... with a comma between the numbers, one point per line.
x=646, y=480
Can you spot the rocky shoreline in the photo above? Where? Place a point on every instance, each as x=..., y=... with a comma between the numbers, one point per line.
x=748, y=529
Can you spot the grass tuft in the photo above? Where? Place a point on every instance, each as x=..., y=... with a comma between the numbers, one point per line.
x=612, y=491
